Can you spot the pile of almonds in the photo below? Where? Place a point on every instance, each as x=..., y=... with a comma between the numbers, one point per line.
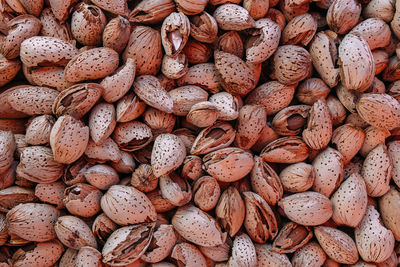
x=199, y=133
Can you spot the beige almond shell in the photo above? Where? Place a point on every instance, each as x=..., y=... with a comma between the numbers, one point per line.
x=145, y=48
x=389, y=211
x=197, y=227
x=343, y=15
x=187, y=254
x=168, y=154
x=37, y=164
x=324, y=55
x=118, y=7
x=82, y=200
x=243, y=252
x=74, y=233
x=164, y=238
x=87, y=24
x=377, y=171
x=374, y=242
x=68, y=139
x=310, y=255
x=43, y=254
x=267, y=257
x=307, y=208
x=102, y=122
x=338, y=245
x=7, y=149
x=228, y=164
x=32, y=100
x=357, y=68
x=116, y=34
x=106, y=151
x=54, y=28
x=328, y=166
x=88, y=256
x=19, y=28
x=92, y=64
x=350, y=201
x=32, y=221
x=149, y=89
x=118, y=84
x=8, y=70
x=236, y=76
x=291, y=64
x=273, y=96
x=233, y=17
x=375, y=31
x=379, y=110
x=318, y=133
x=393, y=151
x=39, y=50
x=126, y=205
x=261, y=47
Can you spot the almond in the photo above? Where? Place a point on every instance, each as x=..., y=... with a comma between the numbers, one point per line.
x=379, y=110
x=33, y=222
x=197, y=226
x=357, y=68
x=374, y=242
x=92, y=64
x=167, y=155
x=338, y=245
x=68, y=139
x=307, y=208
x=350, y=201
x=127, y=205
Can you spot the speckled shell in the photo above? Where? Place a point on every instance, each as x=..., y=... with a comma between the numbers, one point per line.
x=92, y=64
x=243, y=252
x=82, y=200
x=32, y=100
x=236, y=76
x=267, y=257
x=374, y=242
x=273, y=96
x=37, y=164
x=102, y=121
x=389, y=207
x=32, y=221
x=43, y=254
x=19, y=29
x=38, y=50
x=343, y=15
x=292, y=64
x=149, y=89
x=307, y=208
x=87, y=24
x=228, y=164
x=328, y=166
x=379, y=110
x=338, y=245
x=168, y=154
x=357, y=68
x=145, y=48
x=127, y=205
x=318, y=133
x=77, y=100
x=68, y=139
x=118, y=84
x=350, y=201
x=377, y=171
x=233, y=17
x=74, y=233
x=198, y=227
